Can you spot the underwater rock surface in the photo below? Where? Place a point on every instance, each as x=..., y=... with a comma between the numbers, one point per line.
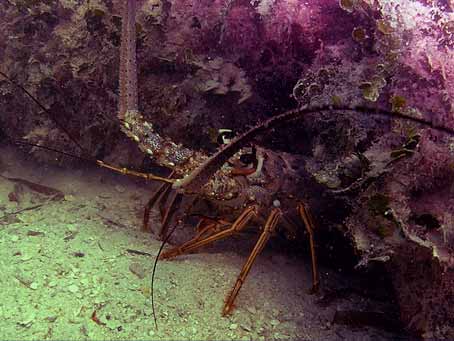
x=387, y=185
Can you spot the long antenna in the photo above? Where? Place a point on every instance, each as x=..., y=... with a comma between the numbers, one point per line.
x=128, y=61
x=199, y=176
x=128, y=101
x=47, y=111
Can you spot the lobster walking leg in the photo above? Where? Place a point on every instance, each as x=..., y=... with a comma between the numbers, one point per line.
x=207, y=226
x=200, y=240
x=157, y=196
x=269, y=228
x=309, y=224
x=175, y=202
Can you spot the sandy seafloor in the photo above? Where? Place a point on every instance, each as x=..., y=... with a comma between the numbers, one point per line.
x=62, y=259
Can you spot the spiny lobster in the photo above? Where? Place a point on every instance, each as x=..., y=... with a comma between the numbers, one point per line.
x=249, y=193
x=264, y=192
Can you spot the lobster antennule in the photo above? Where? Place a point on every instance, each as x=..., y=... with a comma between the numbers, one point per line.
x=162, y=149
x=128, y=62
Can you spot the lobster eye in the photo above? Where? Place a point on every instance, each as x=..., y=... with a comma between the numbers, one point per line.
x=248, y=158
x=225, y=136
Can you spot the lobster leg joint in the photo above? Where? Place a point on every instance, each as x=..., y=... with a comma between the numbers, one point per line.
x=198, y=242
x=309, y=224
x=269, y=228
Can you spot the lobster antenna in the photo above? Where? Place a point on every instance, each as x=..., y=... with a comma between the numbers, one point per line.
x=60, y=126
x=25, y=143
x=199, y=176
x=153, y=273
x=129, y=102
x=128, y=62
x=47, y=111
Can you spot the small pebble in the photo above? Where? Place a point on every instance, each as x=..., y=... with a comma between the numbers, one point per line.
x=428, y=335
x=69, y=197
x=252, y=310
x=233, y=326
x=51, y=318
x=26, y=257
x=246, y=327
x=119, y=189
x=73, y=288
x=274, y=322
x=137, y=269
x=28, y=320
x=33, y=285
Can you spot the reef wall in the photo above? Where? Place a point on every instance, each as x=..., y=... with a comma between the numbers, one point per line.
x=206, y=65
